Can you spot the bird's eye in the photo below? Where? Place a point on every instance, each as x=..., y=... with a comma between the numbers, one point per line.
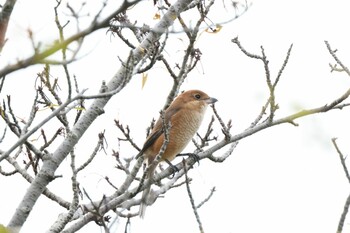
x=197, y=96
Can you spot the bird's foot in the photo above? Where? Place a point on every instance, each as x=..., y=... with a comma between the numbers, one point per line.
x=174, y=168
x=194, y=156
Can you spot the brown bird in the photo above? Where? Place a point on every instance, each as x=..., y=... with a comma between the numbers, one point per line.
x=185, y=115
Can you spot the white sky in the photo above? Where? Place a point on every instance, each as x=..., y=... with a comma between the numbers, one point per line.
x=284, y=179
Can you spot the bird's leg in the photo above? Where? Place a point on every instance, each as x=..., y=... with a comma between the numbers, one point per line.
x=174, y=168
x=194, y=156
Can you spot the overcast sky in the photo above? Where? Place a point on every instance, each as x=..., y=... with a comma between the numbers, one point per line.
x=285, y=179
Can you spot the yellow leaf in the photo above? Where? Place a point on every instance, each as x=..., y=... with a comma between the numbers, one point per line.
x=156, y=16
x=215, y=29
x=51, y=106
x=144, y=79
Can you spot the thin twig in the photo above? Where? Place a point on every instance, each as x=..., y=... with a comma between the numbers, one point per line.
x=347, y=202
x=194, y=208
x=126, y=133
x=207, y=198
x=38, y=57
x=342, y=159
x=332, y=52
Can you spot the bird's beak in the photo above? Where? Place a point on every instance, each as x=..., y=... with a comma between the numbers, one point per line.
x=211, y=100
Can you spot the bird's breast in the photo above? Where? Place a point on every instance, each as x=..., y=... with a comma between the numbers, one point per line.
x=181, y=132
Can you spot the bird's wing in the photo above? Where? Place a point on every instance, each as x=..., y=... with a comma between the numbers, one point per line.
x=157, y=130
x=149, y=142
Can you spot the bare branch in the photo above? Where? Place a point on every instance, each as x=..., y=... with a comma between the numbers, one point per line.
x=38, y=57
x=34, y=129
x=93, y=154
x=332, y=52
x=206, y=199
x=126, y=133
x=285, y=62
x=342, y=159
x=194, y=208
x=347, y=202
x=5, y=15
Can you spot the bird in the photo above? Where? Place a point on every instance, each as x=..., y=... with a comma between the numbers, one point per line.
x=184, y=115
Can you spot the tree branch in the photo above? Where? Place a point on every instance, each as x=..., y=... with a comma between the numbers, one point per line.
x=39, y=56
x=5, y=15
x=117, y=83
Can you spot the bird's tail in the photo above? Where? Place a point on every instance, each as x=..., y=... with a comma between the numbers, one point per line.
x=146, y=192
x=143, y=204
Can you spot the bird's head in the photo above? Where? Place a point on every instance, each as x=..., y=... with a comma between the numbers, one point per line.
x=194, y=100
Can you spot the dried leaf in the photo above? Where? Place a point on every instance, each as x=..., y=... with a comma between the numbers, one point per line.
x=156, y=16
x=215, y=29
x=144, y=79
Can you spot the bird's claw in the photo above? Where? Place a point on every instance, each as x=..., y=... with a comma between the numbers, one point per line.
x=174, y=168
x=194, y=156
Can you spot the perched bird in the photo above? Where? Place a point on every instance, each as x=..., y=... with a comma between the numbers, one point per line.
x=185, y=115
